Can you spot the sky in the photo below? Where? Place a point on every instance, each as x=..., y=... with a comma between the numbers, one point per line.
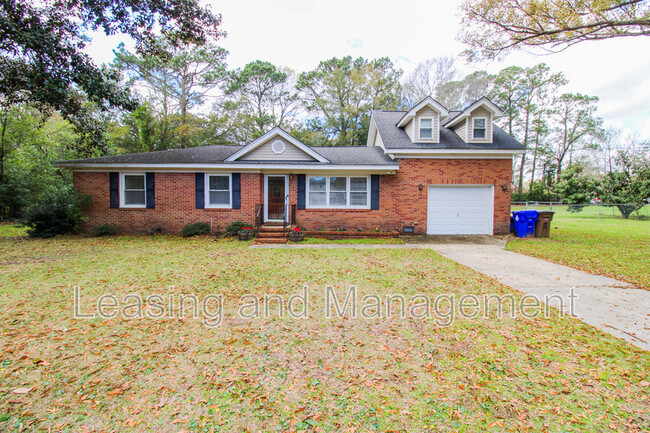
x=300, y=33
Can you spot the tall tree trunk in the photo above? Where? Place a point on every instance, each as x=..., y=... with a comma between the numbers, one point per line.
x=523, y=156
x=534, y=163
x=165, y=123
x=2, y=146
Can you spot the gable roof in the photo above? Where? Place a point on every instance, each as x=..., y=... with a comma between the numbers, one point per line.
x=396, y=138
x=428, y=101
x=217, y=156
x=464, y=113
x=245, y=150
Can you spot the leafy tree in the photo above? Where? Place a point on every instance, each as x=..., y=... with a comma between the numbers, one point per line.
x=426, y=78
x=576, y=187
x=229, y=123
x=576, y=123
x=628, y=188
x=541, y=150
x=493, y=28
x=179, y=77
x=523, y=92
x=456, y=95
x=32, y=142
x=41, y=50
x=267, y=91
x=341, y=92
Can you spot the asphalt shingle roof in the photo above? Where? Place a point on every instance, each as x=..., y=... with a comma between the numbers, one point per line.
x=357, y=155
x=396, y=138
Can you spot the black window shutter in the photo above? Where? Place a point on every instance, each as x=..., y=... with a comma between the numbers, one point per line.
x=200, y=190
x=301, y=191
x=114, y=185
x=150, y=185
x=236, y=190
x=374, y=192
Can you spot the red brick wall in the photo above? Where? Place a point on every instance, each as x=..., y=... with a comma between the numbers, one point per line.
x=409, y=204
x=175, y=203
x=401, y=202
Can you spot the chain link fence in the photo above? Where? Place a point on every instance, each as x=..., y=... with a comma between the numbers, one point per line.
x=592, y=210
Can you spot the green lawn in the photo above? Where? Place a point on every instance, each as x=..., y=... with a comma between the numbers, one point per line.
x=608, y=245
x=12, y=230
x=279, y=374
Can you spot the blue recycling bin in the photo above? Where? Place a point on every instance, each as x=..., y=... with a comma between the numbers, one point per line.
x=525, y=222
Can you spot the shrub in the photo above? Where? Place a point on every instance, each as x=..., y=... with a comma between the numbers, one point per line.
x=105, y=229
x=196, y=229
x=235, y=227
x=576, y=186
x=57, y=215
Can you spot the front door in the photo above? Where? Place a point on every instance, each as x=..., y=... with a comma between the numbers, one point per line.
x=275, y=196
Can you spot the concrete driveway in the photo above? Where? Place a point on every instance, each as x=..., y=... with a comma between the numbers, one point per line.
x=610, y=305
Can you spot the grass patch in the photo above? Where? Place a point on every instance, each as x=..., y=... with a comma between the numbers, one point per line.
x=608, y=245
x=276, y=374
x=379, y=241
x=12, y=230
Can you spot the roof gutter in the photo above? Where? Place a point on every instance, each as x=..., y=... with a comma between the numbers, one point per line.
x=454, y=153
x=228, y=167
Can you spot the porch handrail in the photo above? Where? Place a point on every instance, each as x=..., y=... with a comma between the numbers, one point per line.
x=285, y=215
x=260, y=208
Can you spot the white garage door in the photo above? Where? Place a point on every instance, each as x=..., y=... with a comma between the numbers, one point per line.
x=460, y=210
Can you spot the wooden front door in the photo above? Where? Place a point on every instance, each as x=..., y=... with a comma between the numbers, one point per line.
x=275, y=194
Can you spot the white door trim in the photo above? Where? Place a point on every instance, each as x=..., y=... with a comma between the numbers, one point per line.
x=266, y=195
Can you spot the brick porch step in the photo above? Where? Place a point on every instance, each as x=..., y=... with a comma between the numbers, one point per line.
x=279, y=240
x=267, y=228
x=273, y=234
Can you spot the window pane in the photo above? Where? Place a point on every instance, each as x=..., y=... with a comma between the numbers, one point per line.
x=317, y=184
x=134, y=198
x=220, y=198
x=316, y=199
x=337, y=198
x=219, y=183
x=358, y=199
x=479, y=123
x=358, y=184
x=338, y=183
x=134, y=182
x=426, y=133
x=479, y=133
x=426, y=123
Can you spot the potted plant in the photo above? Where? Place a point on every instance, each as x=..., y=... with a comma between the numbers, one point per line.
x=296, y=235
x=245, y=233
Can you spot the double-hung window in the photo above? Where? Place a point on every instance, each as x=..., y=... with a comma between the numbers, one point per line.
x=133, y=192
x=218, y=191
x=426, y=128
x=338, y=192
x=479, y=129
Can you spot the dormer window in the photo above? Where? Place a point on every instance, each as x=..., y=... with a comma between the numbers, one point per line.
x=479, y=128
x=426, y=128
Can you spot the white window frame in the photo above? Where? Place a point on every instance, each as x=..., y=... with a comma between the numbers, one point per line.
x=485, y=128
x=122, y=191
x=420, y=128
x=206, y=191
x=347, y=192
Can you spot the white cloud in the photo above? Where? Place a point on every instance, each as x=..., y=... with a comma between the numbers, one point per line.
x=301, y=33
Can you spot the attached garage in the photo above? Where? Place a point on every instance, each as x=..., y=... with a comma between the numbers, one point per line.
x=460, y=210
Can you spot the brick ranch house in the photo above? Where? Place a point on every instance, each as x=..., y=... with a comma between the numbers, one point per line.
x=424, y=171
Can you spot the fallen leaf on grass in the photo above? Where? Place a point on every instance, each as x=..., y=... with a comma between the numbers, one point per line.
x=22, y=390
